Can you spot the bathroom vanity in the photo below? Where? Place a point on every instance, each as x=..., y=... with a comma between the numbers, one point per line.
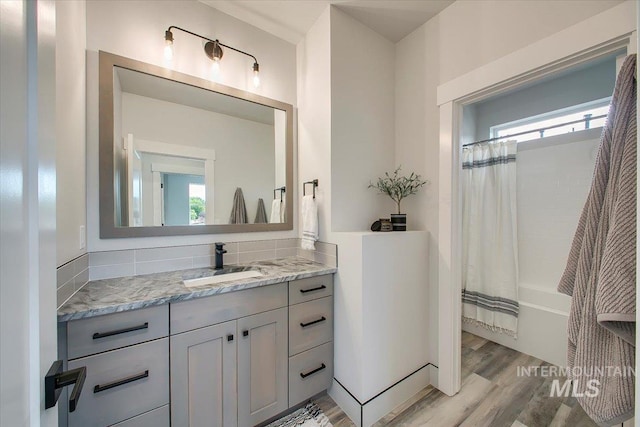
x=235, y=353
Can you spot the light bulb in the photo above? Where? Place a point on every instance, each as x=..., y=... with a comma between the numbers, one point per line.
x=168, y=47
x=215, y=69
x=256, y=75
x=168, y=51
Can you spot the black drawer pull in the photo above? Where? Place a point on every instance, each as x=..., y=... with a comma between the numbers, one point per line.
x=303, y=375
x=245, y=333
x=230, y=337
x=99, y=335
x=98, y=388
x=304, y=291
x=322, y=319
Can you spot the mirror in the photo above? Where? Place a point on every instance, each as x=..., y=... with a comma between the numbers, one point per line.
x=181, y=155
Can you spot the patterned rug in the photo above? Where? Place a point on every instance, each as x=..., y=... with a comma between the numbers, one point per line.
x=309, y=416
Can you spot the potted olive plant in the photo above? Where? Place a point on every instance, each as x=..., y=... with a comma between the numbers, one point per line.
x=398, y=187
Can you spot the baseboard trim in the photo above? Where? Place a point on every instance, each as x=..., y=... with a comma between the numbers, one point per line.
x=365, y=414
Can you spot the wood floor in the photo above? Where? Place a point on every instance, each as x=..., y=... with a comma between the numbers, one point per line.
x=492, y=395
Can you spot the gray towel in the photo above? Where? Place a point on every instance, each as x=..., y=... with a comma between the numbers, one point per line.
x=261, y=213
x=239, y=209
x=601, y=270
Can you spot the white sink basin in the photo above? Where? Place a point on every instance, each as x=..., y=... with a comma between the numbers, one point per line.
x=212, y=280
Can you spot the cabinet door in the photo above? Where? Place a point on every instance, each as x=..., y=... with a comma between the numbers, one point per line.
x=262, y=366
x=203, y=377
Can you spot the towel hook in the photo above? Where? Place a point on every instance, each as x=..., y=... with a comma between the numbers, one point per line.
x=282, y=189
x=304, y=187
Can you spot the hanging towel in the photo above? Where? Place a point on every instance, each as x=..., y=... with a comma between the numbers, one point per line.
x=283, y=211
x=489, y=237
x=309, y=223
x=261, y=213
x=601, y=269
x=275, y=211
x=239, y=209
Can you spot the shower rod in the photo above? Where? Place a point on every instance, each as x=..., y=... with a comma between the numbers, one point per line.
x=586, y=120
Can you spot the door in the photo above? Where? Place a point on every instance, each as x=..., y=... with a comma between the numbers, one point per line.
x=203, y=377
x=28, y=210
x=262, y=366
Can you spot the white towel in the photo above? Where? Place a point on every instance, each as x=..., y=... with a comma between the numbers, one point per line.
x=309, y=223
x=283, y=211
x=276, y=211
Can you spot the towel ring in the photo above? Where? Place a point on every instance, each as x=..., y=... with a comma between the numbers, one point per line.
x=281, y=190
x=304, y=187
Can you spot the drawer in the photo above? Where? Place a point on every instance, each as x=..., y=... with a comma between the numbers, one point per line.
x=116, y=387
x=310, y=373
x=104, y=333
x=311, y=288
x=159, y=417
x=310, y=324
x=201, y=312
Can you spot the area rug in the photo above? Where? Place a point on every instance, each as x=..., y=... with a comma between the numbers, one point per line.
x=309, y=416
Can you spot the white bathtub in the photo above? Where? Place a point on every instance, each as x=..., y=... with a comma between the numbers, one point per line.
x=542, y=325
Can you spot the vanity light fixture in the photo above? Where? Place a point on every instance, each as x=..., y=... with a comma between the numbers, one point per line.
x=213, y=50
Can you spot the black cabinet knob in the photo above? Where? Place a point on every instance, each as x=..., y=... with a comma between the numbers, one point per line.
x=230, y=337
x=245, y=333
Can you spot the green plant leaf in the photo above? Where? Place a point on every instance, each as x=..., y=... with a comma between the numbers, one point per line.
x=398, y=187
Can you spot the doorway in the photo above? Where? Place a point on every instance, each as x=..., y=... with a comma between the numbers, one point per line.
x=576, y=45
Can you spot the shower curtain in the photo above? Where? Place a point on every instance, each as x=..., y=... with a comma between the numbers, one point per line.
x=489, y=237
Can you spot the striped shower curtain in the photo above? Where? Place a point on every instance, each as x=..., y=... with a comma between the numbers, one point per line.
x=489, y=237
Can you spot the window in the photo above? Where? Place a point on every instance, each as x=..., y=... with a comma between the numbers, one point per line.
x=555, y=119
x=197, y=197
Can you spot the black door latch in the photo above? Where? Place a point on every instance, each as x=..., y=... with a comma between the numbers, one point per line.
x=56, y=379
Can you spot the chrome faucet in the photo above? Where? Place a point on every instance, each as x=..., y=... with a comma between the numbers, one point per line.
x=219, y=252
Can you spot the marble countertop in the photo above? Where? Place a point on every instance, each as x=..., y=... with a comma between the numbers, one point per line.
x=100, y=297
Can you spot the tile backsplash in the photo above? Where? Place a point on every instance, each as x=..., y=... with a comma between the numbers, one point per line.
x=72, y=276
x=132, y=262
x=111, y=264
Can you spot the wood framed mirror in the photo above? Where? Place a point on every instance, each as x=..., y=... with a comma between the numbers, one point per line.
x=175, y=149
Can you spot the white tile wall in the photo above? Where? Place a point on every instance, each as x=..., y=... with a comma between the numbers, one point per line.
x=552, y=186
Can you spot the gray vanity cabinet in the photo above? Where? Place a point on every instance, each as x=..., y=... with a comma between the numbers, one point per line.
x=246, y=358
x=236, y=359
x=127, y=359
x=310, y=337
x=203, y=376
x=229, y=359
x=262, y=366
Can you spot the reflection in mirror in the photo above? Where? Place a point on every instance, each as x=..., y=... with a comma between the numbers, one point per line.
x=173, y=133
x=180, y=152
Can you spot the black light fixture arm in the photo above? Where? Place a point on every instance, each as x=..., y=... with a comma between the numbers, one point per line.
x=168, y=32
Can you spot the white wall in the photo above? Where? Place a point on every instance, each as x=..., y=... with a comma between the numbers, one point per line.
x=314, y=116
x=136, y=29
x=71, y=213
x=362, y=122
x=245, y=150
x=461, y=38
x=346, y=120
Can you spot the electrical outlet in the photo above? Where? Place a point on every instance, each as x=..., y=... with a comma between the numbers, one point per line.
x=83, y=237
